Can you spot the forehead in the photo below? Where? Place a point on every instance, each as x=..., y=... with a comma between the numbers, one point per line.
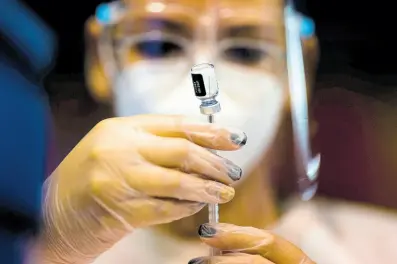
x=259, y=18
x=236, y=12
x=202, y=6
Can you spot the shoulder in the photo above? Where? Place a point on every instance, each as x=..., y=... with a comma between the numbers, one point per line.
x=355, y=233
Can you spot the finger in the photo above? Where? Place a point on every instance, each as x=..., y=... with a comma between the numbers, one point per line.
x=144, y=212
x=130, y=208
x=189, y=157
x=168, y=183
x=231, y=259
x=254, y=241
x=206, y=135
x=151, y=180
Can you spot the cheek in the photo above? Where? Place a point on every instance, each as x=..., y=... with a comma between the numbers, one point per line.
x=282, y=147
x=281, y=160
x=128, y=55
x=133, y=56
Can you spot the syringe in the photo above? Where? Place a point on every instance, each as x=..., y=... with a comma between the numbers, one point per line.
x=206, y=89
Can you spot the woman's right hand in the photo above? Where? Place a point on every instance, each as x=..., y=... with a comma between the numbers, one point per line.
x=134, y=172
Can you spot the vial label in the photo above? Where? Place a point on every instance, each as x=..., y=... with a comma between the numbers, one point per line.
x=198, y=84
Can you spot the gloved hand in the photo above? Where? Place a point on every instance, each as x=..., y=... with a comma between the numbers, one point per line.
x=133, y=172
x=248, y=245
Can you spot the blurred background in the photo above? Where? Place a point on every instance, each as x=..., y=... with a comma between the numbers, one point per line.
x=354, y=100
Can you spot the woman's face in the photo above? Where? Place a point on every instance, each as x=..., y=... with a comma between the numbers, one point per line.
x=156, y=44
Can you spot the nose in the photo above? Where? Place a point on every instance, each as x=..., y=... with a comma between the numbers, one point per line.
x=203, y=54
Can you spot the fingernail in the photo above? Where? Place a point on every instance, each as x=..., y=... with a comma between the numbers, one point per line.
x=234, y=171
x=239, y=139
x=206, y=231
x=220, y=192
x=198, y=261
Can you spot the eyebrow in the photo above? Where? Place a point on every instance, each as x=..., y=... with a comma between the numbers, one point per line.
x=257, y=32
x=166, y=25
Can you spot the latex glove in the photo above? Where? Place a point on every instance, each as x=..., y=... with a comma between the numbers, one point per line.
x=134, y=172
x=241, y=245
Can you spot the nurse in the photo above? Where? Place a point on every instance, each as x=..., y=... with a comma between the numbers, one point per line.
x=146, y=175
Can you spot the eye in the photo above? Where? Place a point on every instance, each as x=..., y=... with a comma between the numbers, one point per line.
x=245, y=55
x=157, y=49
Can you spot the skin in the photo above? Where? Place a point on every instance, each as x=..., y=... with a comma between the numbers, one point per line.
x=256, y=185
x=255, y=190
x=248, y=245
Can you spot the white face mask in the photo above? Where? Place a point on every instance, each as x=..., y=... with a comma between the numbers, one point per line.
x=251, y=101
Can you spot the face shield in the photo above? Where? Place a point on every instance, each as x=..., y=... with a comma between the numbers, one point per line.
x=148, y=47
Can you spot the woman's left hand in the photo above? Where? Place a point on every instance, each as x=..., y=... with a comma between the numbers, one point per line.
x=241, y=245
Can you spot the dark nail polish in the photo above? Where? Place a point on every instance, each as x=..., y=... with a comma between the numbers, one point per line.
x=206, y=231
x=198, y=261
x=235, y=172
x=239, y=139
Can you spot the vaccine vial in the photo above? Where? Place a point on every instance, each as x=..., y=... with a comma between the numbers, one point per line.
x=206, y=88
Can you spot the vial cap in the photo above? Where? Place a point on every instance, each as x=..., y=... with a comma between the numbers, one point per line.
x=210, y=110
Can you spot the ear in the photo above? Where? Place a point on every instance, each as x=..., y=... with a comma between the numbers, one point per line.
x=96, y=80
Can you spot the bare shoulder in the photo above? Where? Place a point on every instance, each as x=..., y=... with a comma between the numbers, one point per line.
x=355, y=233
